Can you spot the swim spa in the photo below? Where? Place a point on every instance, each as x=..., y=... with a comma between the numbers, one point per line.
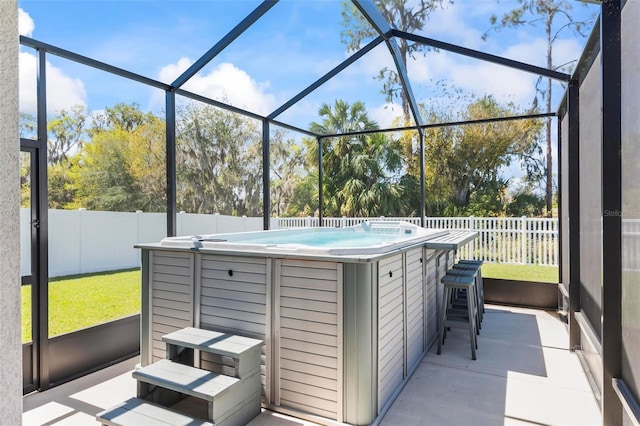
x=367, y=238
x=346, y=314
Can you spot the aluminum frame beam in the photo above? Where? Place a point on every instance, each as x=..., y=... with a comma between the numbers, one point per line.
x=249, y=20
x=84, y=60
x=66, y=54
x=328, y=76
x=450, y=123
x=266, y=175
x=375, y=18
x=487, y=57
x=41, y=337
x=573, y=201
x=611, y=278
x=171, y=173
x=241, y=111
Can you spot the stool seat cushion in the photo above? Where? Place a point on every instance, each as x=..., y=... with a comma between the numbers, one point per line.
x=458, y=279
x=456, y=271
x=471, y=262
x=467, y=267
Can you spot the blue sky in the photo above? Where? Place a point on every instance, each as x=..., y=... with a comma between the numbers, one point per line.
x=290, y=47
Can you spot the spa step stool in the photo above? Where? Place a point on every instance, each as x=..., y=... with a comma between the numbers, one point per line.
x=231, y=399
x=136, y=411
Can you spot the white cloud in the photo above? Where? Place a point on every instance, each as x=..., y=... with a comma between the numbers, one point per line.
x=25, y=23
x=226, y=82
x=62, y=91
x=385, y=114
x=505, y=84
x=302, y=113
x=451, y=23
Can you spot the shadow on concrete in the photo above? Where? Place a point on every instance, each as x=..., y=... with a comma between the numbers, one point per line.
x=524, y=374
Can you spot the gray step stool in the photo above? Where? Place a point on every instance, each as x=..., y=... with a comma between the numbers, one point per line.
x=135, y=411
x=231, y=399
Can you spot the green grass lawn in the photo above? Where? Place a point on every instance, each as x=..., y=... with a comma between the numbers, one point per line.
x=81, y=301
x=536, y=273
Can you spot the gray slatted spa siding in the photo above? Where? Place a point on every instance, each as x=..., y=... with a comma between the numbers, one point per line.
x=415, y=307
x=233, y=299
x=171, y=296
x=432, y=308
x=390, y=327
x=308, y=299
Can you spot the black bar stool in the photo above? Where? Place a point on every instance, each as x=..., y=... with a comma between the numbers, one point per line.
x=474, y=274
x=474, y=265
x=448, y=318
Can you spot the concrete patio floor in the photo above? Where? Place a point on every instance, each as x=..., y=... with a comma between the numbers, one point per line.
x=524, y=374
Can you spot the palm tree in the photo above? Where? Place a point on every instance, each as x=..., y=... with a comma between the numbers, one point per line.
x=358, y=169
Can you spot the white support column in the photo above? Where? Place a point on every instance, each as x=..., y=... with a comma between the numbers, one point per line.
x=10, y=329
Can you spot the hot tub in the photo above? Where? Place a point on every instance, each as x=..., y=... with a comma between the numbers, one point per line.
x=368, y=238
x=346, y=314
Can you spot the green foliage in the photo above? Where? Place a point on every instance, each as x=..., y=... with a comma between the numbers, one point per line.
x=62, y=191
x=304, y=201
x=67, y=134
x=219, y=161
x=488, y=200
x=556, y=16
x=25, y=180
x=27, y=126
x=463, y=162
x=127, y=117
x=526, y=204
x=287, y=171
x=122, y=168
x=402, y=15
x=103, y=177
x=356, y=168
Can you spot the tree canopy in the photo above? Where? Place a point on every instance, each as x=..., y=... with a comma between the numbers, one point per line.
x=556, y=16
x=358, y=170
x=402, y=15
x=120, y=164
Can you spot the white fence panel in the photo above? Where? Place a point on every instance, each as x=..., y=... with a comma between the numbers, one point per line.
x=25, y=242
x=82, y=241
x=631, y=244
x=65, y=242
x=107, y=240
x=201, y=224
x=152, y=227
x=503, y=239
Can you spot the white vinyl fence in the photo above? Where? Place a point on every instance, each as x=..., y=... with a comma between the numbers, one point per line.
x=84, y=241
x=506, y=240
